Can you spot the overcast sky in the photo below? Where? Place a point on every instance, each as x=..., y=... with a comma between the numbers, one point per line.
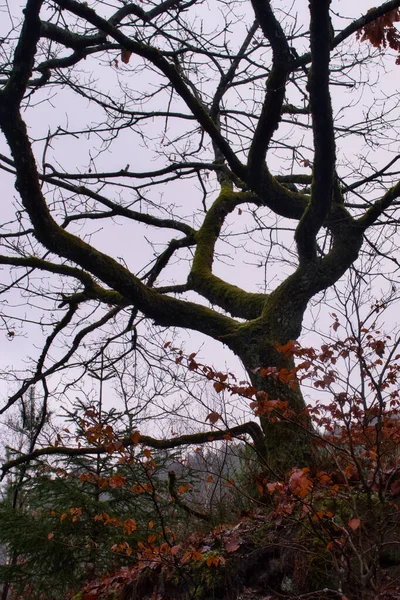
x=75, y=154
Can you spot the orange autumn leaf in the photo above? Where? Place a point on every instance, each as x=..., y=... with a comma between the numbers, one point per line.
x=300, y=483
x=287, y=349
x=215, y=561
x=129, y=526
x=186, y=557
x=117, y=481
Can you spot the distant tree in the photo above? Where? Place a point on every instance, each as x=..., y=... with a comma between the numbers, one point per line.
x=220, y=131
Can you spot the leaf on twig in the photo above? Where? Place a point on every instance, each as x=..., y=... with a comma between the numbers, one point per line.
x=213, y=417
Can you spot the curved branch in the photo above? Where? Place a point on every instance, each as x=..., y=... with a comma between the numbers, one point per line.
x=271, y=111
x=68, y=38
x=230, y=297
x=279, y=198
x=24, y=54
x=369, y=17
x=116, y=209
x=163, y=309
x=324, y=139
x=250, y=428
x=379, y=207
x=159, y=9
x=163, y=259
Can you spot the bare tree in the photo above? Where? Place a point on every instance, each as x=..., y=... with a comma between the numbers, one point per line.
x=197, y=133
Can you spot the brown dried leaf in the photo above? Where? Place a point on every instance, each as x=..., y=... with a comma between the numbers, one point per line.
x=125, y=56
x=213, y=417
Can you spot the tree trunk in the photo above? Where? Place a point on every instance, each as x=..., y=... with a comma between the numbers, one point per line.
x=288, y=440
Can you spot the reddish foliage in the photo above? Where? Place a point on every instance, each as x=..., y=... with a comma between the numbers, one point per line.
x=355, y=483
x=382, y=32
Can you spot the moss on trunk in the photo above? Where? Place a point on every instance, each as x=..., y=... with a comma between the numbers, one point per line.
x=288, y=441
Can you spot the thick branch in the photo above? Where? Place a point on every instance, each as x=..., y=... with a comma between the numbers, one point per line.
x=69, y=39
x=324, y=140
x=229, y=297
x=291, y=297
x=24, y=54
x=163, y=309
x=251, y=428
x=278, y=198
x=271, y=111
